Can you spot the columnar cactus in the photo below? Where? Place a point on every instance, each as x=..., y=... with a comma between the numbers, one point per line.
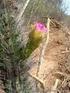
x=35, y=38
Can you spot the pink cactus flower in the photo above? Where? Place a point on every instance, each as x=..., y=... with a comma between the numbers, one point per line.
x=40, y=27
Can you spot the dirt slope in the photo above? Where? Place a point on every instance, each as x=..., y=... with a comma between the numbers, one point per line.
x=57, y=59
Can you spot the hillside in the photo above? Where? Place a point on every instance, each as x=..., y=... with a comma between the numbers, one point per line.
x=56, y=64
x=18, y=72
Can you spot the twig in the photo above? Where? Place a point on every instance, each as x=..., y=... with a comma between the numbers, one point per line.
x=53, y=21
x=37, y=79
x=63, y=74
x=53, y=90
x=34, y=11
x=43, y=48
x=67, y=51
x=22, y=11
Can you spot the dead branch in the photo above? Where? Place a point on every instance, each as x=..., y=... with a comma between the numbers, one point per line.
x=54, y=88
x=37, y=79
x=44, y=45
x=22, y=11
x=62, y=74
x=54, y=22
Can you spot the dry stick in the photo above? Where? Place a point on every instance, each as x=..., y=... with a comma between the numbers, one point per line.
x=37, y=79
x=32, y=12
x=42, y=53
x=67, y=51
x=22, y=11
x=63, y=74
x=53, y=90
x=43, y=48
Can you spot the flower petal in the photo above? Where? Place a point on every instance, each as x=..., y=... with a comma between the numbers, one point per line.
x=40, y=27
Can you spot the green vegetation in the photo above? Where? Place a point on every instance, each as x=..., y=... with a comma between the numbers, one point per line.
x=13, y=54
